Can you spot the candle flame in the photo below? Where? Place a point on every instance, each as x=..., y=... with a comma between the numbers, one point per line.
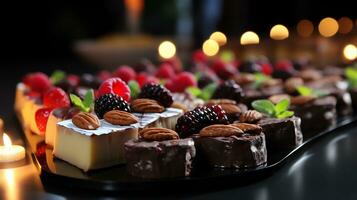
x=7, y=141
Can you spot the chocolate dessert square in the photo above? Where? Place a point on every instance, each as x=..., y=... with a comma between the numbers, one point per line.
x=232, y=152
x=160, y=159
x=263, y=93
x=316, y=115
x=281, y=134
x=353, y=93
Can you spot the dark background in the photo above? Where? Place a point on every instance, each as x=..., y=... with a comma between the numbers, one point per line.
x=45, y=30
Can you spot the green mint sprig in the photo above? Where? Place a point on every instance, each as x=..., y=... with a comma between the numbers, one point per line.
x=307, y=91
x=57, y=76
x=134, y=88
x=87, y=102
x=259, y=79
x=351, y=74
x=204, y=93
x=279, y=110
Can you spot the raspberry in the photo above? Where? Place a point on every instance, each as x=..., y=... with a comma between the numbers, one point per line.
x=115, y=86
x=56, y=98
x=183, y=81
x=74, y=79
x=144, y=78
x=165, y=71
x=284, y=65
x=38, y=82
x=199, y=56
x=109, y=102
x=229, y=90
x=41, y=117
x=224, y=70
x=104, y=75
x=267, y=69
x=126, y=73
x=175, y=63
x=193, y=121
x=158, y=93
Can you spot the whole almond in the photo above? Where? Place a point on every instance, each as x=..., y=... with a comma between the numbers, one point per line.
x=291, y=84
x=248, y=128
x=158, y=134
x=300, y=100
x=244, y=78
x=118, y=117
x=310, y=75
x=220, y=130
x=146, y=106
x=86, y=121
x=179, y=105
x=250, y=116
x=220, y=101
x=228, y=105
x=278, y=97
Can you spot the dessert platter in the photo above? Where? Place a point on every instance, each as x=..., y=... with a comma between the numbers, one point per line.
x=145, y=127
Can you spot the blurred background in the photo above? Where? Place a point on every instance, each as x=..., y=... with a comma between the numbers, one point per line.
x=112, y=32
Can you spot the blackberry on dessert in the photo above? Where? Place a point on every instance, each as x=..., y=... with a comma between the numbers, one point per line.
x=108, y=102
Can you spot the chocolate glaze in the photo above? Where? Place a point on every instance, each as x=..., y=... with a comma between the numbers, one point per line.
x=232, y=152
x=281, y=134
x=317, y=115
x=172, y=158
x=65, y=113
x=353, y=93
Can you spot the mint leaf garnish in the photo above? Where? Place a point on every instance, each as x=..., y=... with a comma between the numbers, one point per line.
x=207, y=91
x=76, y=101
x=134, y=88
x=351, y=74
x=280, y=110
x=259, y=79
x=195, y=91
x=88, y=99
x=307, y=91
x=57, y=76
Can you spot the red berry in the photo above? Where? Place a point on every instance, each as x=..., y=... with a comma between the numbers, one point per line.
x=114, y=86
x=169, y=84
x=165, y=71
x=223, y=70
x=34, y=94
x=144, y=78
x=56, y=98
x=267, y=69
x=41, y=117
x=104, y=75
x=183, y=81
x=284, y=65
x=175, y=63
x=38, y=82
x=126, y=73
x=199, y=56
x=73, y=79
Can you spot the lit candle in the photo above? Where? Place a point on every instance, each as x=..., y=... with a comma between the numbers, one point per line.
x=9, y=152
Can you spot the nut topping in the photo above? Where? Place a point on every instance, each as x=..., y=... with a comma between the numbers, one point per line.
x=220, y=130
x=229, y=106
x=248, y=128
x=86, y=121
x=300, y=100
x=118, y=117
x=146, y=106
x=179, y=105
x=250, y=116
x=158, y=134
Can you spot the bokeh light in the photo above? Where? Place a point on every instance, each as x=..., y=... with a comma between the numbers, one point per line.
x=219, y=37
x=345, y=25
x=210, y=47
x=350, y=52
x=279, y=32
x=167, y=49
x=328, y=27
x=305, y=28
x=249, y=37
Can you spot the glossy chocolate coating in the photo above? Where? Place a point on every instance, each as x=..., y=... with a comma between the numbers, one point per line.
x=172, y=158
x=317, y=115
x=232, y=152
x=281, y=134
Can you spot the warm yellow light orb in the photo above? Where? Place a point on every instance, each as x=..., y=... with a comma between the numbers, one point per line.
x=167, y=49
x=210, y=47
x=328, y=27
x=249, y=37
x=345, y=25
x=279, y=32
x=219, y=37
x=350, y=52
x=305, y=28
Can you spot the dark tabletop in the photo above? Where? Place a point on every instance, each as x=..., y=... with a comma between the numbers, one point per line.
x=326, y=170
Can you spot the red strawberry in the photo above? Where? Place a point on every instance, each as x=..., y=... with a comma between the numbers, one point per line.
x=124, y=72
x=104, y=75
x=56, y=98
x=199, y=56
x=223, y=70
x=144, y=78
x=41, y=117
x=38, y=82
x=182, y=81
x=267, y=69
x=114, y=86
x=165, y=71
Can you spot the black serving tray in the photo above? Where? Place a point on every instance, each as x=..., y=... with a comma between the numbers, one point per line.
x=116, y=178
